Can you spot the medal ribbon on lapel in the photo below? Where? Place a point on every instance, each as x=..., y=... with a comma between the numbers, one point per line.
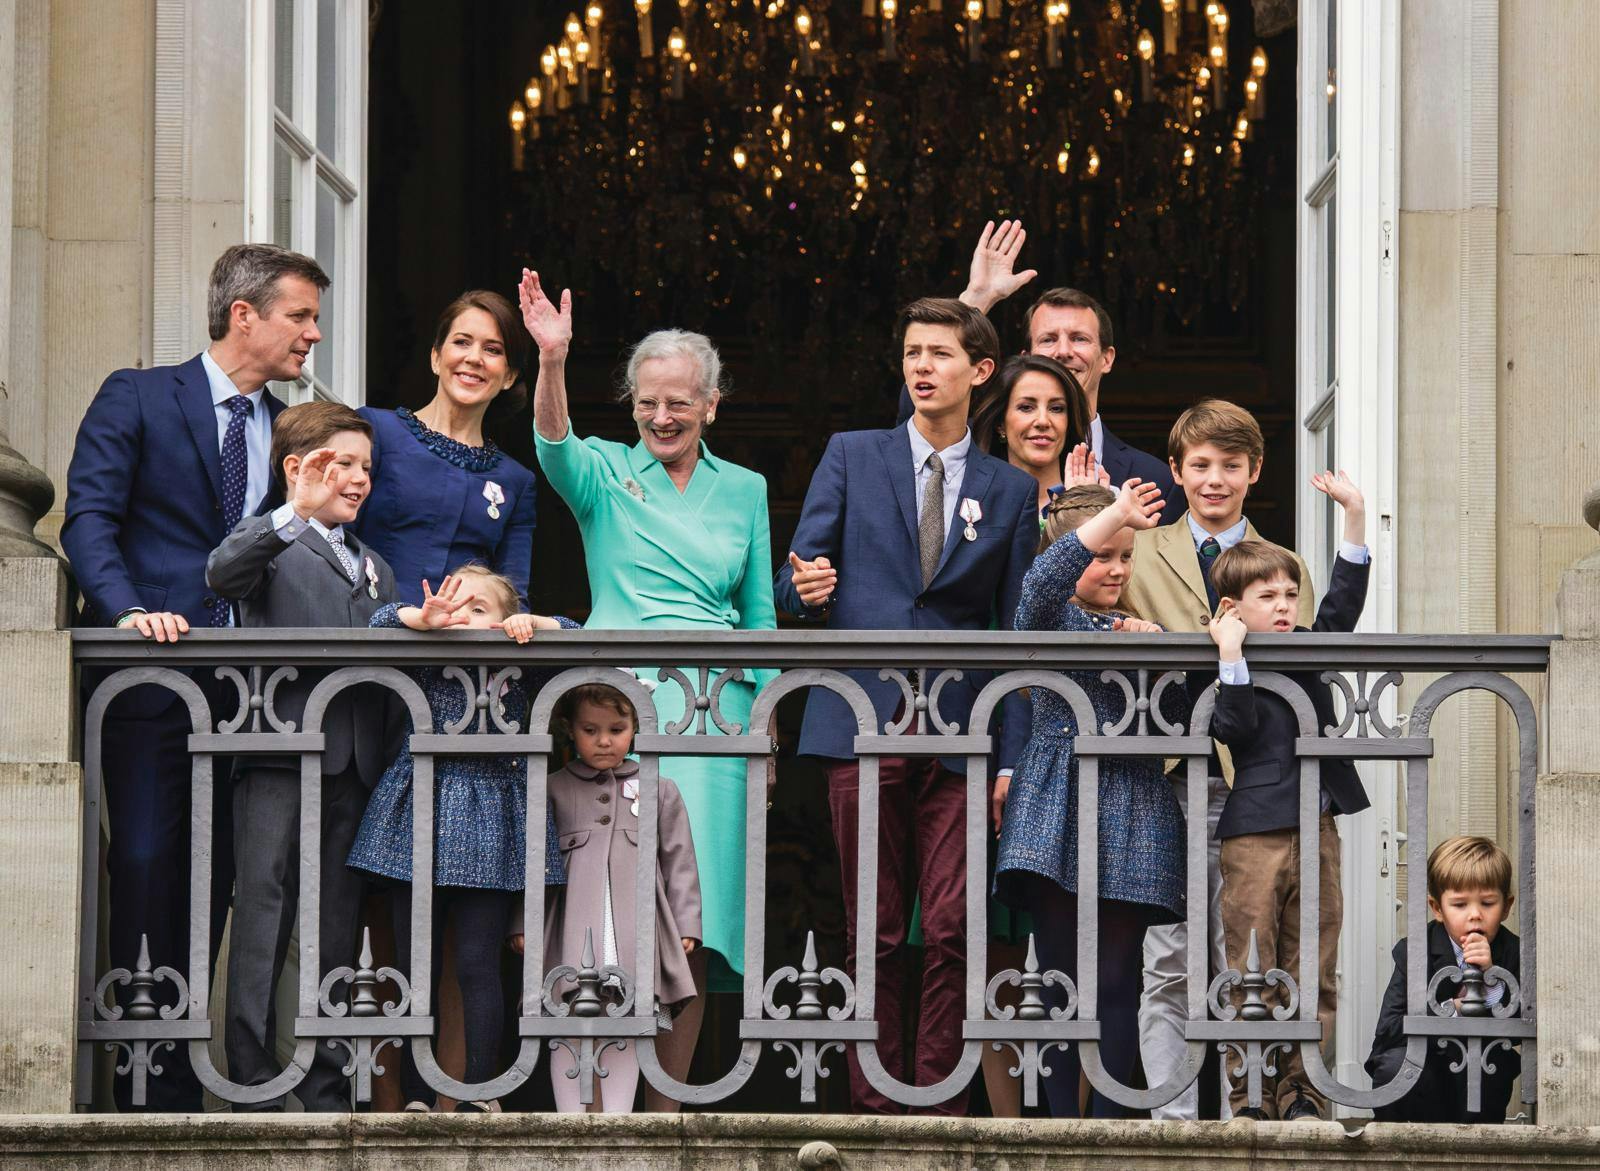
x=972, y=513
x=496, y=496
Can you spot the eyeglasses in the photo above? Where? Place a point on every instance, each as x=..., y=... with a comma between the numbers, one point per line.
x=679, y=408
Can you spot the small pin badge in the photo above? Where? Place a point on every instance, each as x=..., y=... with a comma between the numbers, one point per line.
x=630, y=791
x=493, y=493
x=372, y=579
x=632, y=488
x=972, y=513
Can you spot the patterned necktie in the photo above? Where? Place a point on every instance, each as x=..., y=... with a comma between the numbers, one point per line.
x=930, y=525
x=336, y=539
x=1209, y=551
x=235, y=480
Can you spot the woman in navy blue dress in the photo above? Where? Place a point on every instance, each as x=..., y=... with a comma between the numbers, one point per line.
x=1075, y=584
x=443, y=494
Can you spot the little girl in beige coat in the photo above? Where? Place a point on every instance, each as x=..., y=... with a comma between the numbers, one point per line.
x=596, y=807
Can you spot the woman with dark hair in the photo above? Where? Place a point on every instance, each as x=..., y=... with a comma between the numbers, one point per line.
x=442, y=493
x=1038, y=413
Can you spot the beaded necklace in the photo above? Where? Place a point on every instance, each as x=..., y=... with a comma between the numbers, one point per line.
x=452, y=451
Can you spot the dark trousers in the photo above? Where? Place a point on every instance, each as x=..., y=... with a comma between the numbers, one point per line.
x=1121, y=960
x=1441, y=1096
x=146, y=768
x=922, y=850
x=266, y=899
x=480, y=918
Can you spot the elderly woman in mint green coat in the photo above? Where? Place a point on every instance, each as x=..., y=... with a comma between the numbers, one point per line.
x=674, y=538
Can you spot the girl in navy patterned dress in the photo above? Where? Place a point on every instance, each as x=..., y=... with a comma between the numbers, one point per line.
x=480, y=817
x=1075, y=585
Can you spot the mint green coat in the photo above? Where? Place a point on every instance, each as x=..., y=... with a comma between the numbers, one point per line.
x=658, y=558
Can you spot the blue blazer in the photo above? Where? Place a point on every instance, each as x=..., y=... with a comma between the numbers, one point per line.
x=1122, y=462
x=144, y=494
x=861, y=513
x=426, y=516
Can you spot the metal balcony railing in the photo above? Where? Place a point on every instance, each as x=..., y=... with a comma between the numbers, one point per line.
x=827, y=1011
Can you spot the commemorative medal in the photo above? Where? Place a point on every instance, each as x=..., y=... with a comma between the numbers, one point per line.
x=972, y=513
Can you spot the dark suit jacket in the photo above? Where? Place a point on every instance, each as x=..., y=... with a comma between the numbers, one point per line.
x=301, y=583
x=1122, y=462
x=1441, y=1096
x=861, y=513
x=144, y=500
x=1260, y=728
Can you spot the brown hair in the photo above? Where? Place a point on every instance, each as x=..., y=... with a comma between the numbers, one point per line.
x=500, y=586
x=1248, y=562
x=302, y=429
x=512, y=333
x=599, y=694
x=976, y=331
x=1229, y=427
x=1064, y=298
x=1072, y=508
x=1464, y=863
x=988, y=420
x=250, y=273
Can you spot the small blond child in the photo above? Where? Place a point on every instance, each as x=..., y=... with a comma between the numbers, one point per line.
x=596, y=814
x=1469, y=893
x=480, y=819
x=1258, y=587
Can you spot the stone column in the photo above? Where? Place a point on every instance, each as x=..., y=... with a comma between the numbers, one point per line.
x=1568, y=828
x=40, y=782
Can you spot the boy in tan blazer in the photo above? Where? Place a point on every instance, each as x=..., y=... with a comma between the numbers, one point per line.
x=1216, y=451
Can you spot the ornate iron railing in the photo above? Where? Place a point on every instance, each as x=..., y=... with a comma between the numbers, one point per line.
x=255, y=662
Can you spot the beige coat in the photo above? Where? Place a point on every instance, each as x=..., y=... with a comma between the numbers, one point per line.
x=599, y=833
x=1166, y=588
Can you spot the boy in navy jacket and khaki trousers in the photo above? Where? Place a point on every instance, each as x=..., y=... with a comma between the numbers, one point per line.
x=1259, y=587
x=913, y=528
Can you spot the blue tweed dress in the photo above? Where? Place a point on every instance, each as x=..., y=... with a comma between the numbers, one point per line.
x=480, y=803
x=1141, y=825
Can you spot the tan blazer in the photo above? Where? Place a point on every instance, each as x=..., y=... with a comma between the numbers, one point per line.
x=1166, y=587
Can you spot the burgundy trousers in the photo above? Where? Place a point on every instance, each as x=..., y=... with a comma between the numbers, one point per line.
x=922, y=850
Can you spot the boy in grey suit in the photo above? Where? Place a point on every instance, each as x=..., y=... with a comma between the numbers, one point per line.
x=296, y=566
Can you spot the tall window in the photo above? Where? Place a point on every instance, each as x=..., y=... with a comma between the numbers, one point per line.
x=308, y=160
x=1345, y=359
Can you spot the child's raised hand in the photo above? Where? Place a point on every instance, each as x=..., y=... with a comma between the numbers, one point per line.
x=688, y=946
x=1475, y=950
x=1227, y=630
x=1082, y=468
x=438, y=610
x=1137, y=626
x=1340, y=487
x=317, y=482
x=1140, y=504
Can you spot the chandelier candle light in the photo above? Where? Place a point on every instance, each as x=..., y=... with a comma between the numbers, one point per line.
x=889, y=9
x=975, y=31
x=647, y=41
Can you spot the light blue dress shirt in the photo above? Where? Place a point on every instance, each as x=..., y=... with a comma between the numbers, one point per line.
x=257, y=431
x=954, y=459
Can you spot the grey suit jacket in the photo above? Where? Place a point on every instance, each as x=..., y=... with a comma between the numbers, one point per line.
x=302, y=583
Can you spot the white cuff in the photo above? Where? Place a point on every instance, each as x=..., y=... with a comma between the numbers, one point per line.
x=288, y=525
x=1355, y=554
x=1235, y=672
x=1004, y=772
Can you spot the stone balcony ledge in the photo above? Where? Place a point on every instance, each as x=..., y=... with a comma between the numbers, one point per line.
x=725, y=1142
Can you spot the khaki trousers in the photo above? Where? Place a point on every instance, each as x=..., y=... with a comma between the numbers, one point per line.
x=1261, y=892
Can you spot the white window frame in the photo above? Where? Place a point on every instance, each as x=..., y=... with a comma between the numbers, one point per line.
x=1357, y=409
x=267, y=126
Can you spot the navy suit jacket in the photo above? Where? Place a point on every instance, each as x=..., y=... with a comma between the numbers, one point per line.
x=144, y=495
x=861, y=514
x=1122, y=462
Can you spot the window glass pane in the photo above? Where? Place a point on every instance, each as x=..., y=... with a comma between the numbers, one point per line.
x=1332, y=50
x=1330, y=220
x=1330, y=512
x=328, y=78
x=283, y=56
x=282, y=195
x=327, y=254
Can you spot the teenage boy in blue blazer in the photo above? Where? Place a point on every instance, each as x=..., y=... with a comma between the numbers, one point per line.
x=165, y=463
x=913, y=528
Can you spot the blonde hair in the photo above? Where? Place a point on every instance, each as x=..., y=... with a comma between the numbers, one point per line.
x=1227, y=425
x=495, y=585
x=1468, y=863
x=1071, y=508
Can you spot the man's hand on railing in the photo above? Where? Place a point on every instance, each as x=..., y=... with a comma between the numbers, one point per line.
x=814, y=581
x=162, y=626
